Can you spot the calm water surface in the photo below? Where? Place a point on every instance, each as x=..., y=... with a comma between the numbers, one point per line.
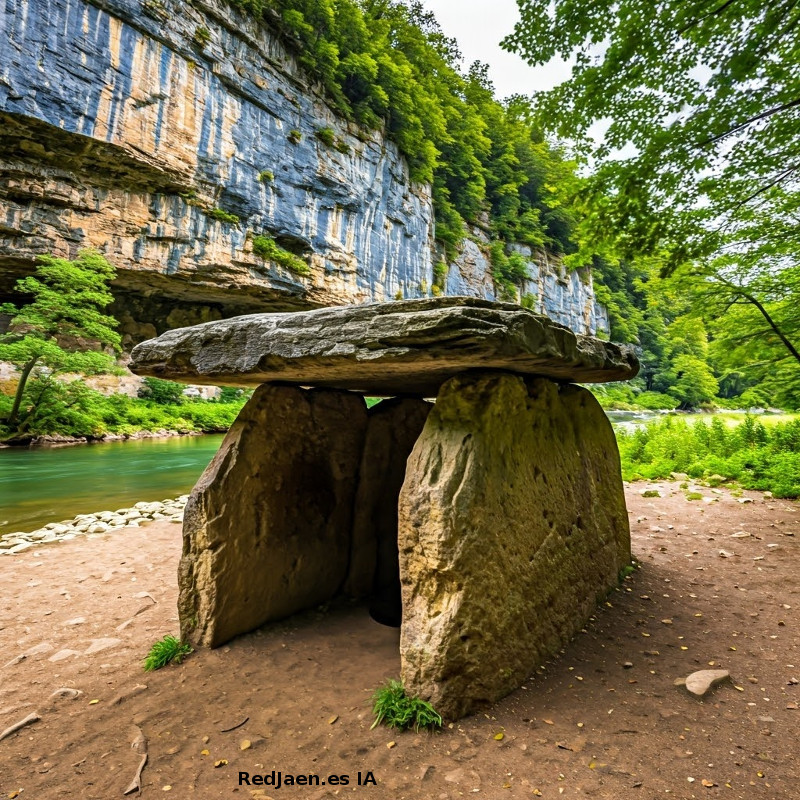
x=41, y=485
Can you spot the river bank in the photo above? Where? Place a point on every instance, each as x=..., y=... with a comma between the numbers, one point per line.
x=95, y=525
x=63, y=440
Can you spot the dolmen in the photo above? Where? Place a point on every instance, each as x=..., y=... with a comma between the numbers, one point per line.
x=488, y=523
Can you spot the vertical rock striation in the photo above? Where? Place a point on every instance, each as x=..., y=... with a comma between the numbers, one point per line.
x=131, y=126
x=169, y=135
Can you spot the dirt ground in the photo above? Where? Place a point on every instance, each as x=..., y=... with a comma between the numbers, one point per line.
x=83, y=614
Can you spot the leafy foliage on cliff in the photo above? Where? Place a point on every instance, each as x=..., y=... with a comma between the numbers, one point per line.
x=387, y=64
x=267, y=248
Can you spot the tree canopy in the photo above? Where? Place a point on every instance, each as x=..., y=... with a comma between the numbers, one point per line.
x=707, y=95
x=687, y=115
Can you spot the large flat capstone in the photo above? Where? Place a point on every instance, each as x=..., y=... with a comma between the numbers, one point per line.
x=405, y=347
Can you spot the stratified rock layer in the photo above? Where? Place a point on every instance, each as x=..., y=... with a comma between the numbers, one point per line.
x=267, y=527
x=409, y=347
x=169, y=135
x=394, y=426
x=512, y=524
x=132, y=125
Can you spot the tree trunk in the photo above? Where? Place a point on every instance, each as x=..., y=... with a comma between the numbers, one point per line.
x=23, y=380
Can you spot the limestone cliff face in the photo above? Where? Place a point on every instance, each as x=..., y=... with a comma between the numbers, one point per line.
x=168, y=136
x=567, y=296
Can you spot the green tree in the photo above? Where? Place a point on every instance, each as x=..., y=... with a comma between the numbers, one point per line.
x=162, y=392
x=752, y=314
x=695, y=382
x=63, y=327
x=699, y=107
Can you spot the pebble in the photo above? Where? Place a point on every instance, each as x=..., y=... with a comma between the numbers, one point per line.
x=100, y=644
x=93, y=525
x=700, y=683
x=66, y=692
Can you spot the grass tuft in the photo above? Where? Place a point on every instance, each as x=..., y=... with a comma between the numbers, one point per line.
x=394, y=708
x=164, y=651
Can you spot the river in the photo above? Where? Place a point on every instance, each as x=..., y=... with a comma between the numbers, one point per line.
x=49, y=484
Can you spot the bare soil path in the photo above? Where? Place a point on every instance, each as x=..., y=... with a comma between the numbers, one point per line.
x=602, y=720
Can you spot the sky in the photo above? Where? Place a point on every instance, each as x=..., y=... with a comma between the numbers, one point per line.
x=478, y=26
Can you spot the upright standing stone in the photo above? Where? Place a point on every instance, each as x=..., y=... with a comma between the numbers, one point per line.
x=394, y=426
x=512, y=524
x=267, y=527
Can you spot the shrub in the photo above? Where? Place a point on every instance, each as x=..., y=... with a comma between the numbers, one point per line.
x=270, y=250
x=295, y=137
x=750, y=453
x=655, y=401
x=326, y=136
x=202, y=36
x=221, y=215
x=266, y=176
x=440, y=273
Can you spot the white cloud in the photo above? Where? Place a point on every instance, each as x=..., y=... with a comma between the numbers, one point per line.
x=478, y=27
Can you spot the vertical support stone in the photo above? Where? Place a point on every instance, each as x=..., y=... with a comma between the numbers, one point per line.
x=267, y=527
x=394, y=426
x=512, y=525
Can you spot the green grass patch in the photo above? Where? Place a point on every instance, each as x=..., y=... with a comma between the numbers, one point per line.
x=394, y=708
x=164, y=652
x=755, y=455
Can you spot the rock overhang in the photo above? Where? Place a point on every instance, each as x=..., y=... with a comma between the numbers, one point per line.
x=406, y=347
